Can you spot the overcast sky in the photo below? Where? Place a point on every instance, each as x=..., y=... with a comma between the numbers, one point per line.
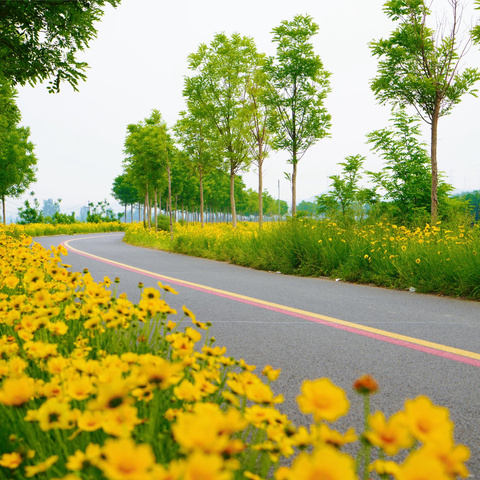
x=138, y=63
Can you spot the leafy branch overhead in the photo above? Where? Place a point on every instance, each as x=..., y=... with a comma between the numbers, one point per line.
x=40, y=40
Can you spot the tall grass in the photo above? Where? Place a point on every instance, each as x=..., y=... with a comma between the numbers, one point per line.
x=441, y=258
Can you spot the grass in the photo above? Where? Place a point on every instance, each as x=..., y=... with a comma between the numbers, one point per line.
x=440, y=259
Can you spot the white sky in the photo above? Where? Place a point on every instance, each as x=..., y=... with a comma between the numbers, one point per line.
x=138, y=63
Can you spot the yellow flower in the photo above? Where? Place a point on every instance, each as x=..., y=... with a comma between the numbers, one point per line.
x=32, y=470
x=80, y=460
x=270, y=373
x=384, y=467
x=325, y=434
x=90, y=421
x=120, y=421
x=208, y=429
x=200, y=466
x=124, y=460
x=390, y=436
x=54, y=414
x=452, y=456
x=326, y=462
x=11, y=281
x=417, y=260
x=427, y=421
x=323, y=399
x=10, y=460
x=80, y=388
x=421, y=466
x=17, y=391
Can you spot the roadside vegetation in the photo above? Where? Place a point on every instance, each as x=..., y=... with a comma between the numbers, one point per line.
x=443, y=258
x=94, y=386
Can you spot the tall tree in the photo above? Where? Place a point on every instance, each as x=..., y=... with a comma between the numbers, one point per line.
x=125, y=192
x=301, y=85
x=39, y=40
x=261, y=111
x=421, y=68
x=218, y=91
x=17, y=160
x=196, y=139
x=148, y=147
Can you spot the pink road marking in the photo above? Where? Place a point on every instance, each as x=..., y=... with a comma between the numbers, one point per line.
x=384, y=338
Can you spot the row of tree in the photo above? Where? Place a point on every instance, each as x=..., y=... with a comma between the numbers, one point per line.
x=240, y=104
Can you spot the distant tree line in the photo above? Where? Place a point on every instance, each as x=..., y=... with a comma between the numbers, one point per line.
x=242, y=104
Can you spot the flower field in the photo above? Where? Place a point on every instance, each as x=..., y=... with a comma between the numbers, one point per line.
x=93, y=386
x=46, y=229
x=441, y=259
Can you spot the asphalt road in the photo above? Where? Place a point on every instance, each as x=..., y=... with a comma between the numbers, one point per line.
x=295, y=324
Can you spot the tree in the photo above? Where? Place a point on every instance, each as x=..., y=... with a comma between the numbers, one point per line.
x=406, y=177
x=125, y=192
x=420, y=67
x=148, y=147
x=345, y=190
x=39, y=40
x=301, y=85
x=261, y=111
x=217, y=92
x=17, y=160
x=194, y=136
x=307, y=207
x=476, y=30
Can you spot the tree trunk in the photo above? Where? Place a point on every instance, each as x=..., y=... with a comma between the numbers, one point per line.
x=200, y=174
x=170, y=199
x=125, y=213
x=156, y=213
x=294, y=189
x=3, y=210
x=433, y=159
x=260, y=190
x=232, y=197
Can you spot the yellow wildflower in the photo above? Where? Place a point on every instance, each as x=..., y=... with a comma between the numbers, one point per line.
x=323, y=399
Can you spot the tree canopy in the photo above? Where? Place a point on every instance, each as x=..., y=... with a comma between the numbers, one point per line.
x=40, y=40
x=301, y=85
x=421, y=68
x=217, y=91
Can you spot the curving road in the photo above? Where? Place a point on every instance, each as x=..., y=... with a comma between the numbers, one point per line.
x=310, y=327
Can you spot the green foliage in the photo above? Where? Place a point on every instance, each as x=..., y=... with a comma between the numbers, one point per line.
x=421, y=68
x=250, y=204
x=300, y=86
x=406, y=178
x=417, y=70
x=30, y=213
x=101, y=213
x=125, y=191
x=17, y=160
x=309, y=207
x=216, y=94
x=442, y=258
x=39, y=40
x=473, y=201
x=346, y=197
